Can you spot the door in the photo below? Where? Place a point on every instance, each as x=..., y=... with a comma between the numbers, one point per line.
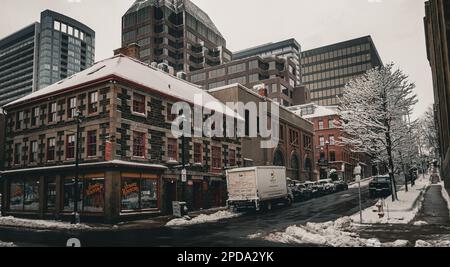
x=171, y=195
x=198, y=194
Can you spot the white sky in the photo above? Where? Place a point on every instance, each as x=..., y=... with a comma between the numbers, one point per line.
x=395, y=25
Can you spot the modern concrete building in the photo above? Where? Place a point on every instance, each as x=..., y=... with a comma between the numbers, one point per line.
x=437, y=30
x=18, y=63
x=329, y=154
x=285, y=49
x=326, y=70
x=295, y=149
x=129, y=158
x=42, y=54
x=275, y=73
x=177, y=33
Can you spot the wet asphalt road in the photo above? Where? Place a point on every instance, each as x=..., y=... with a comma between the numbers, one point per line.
x=226, y=233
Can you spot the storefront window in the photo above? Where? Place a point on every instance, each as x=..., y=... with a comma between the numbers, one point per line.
x=149, y=194
x=51, y=193
x=69, y=194
x=94, y=195
x=16, y=195
x=31, y=195
x=130, y=194
x=139, y=194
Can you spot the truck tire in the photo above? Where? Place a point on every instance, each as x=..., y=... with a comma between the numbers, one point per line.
x=289, y=201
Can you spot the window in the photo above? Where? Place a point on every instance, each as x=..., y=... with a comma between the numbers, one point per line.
x=138, y=103
x=52, y=112
x=216, y=157
x=69, y=197
x=253, y=78
x=232, y=157
x=139, y=194
x=51, y=145
x=236, y=68
x=241, y=80
x=50, y=191
x=19, y=120
x=33, y=151
x=321, y=127
x=170, y=116
x=332, y=156
x=57, y=26
x=93, y=195
x=72, y=108
x=172, y=149
x=322, y=141
x=216, y=73
x=332, y=141
x=93, y=102
x=198, y=153
x=70, y=147
x=35, y=113
x=281, y=132
x=92, y=143
x=24, y=195
x=294, y=137
x=139, y=144
x=17, y=153
x=307, y=142
x=198, y=77
x=331, y=124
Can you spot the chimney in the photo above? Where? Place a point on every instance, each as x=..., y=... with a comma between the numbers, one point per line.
x=132, y=50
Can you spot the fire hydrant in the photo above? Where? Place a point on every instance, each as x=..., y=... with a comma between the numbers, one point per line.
x=380, y=207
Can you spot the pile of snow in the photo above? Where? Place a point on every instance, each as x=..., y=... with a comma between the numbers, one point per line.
x=445, y=195
x=40, y=224
x=203, y=218
x=331, y=234
x=6, y=244
x=402, y=211
x=433, y=243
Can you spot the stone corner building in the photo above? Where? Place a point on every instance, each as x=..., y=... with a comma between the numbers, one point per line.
x=437, y=30
x=127, y=148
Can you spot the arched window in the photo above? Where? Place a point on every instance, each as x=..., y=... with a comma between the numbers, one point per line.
x=295, y=166
x=278, y=159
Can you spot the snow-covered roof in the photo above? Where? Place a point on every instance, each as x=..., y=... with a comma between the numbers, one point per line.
x=134, y=71
x=318, y=111
x=177, y=6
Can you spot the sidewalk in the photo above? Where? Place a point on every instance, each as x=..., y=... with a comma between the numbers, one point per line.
x=435, y=209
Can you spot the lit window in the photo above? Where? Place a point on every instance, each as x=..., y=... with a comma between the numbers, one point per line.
x=93, y=102
x=172, y=149
x=52, y=112
x=57, y=25
x=72, y=107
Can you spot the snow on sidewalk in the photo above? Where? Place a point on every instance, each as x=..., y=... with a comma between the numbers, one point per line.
x=6, y=244
x=331, y=234
x=203, y=218
x=402, y=211
x=40, y=224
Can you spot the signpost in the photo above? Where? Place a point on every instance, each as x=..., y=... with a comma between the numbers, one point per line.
x=183, y=176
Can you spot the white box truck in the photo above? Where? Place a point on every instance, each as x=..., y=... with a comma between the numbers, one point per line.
x=257, y=188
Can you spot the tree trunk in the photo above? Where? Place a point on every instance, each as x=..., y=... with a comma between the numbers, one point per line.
x=391, y=163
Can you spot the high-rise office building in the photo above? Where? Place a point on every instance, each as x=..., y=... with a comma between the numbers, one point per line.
x=66, y=47
x=287, y=49
x=176, y=32
x=437, y=30
x=18, y=57
x=326, y=70
x=42, y=54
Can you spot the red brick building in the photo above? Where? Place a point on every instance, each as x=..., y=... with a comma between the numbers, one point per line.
x=330, y=155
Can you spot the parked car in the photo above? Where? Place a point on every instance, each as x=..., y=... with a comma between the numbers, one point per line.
x=313, y=188
x=380, y=187
x=294, y=187
x=341, y=185
x=306, y=192
x=328, y=186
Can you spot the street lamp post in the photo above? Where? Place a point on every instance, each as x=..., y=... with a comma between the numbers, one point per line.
x=183, y=161
x=76, y=191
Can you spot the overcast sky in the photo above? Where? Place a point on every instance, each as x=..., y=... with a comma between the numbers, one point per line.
x=395, y=25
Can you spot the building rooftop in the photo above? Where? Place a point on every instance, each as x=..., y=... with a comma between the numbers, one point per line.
x=133, y=71
x=177, y=6
x=265, y=48
x=310, y=111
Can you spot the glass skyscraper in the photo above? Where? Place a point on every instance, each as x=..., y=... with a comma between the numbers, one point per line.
x=42, y=54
